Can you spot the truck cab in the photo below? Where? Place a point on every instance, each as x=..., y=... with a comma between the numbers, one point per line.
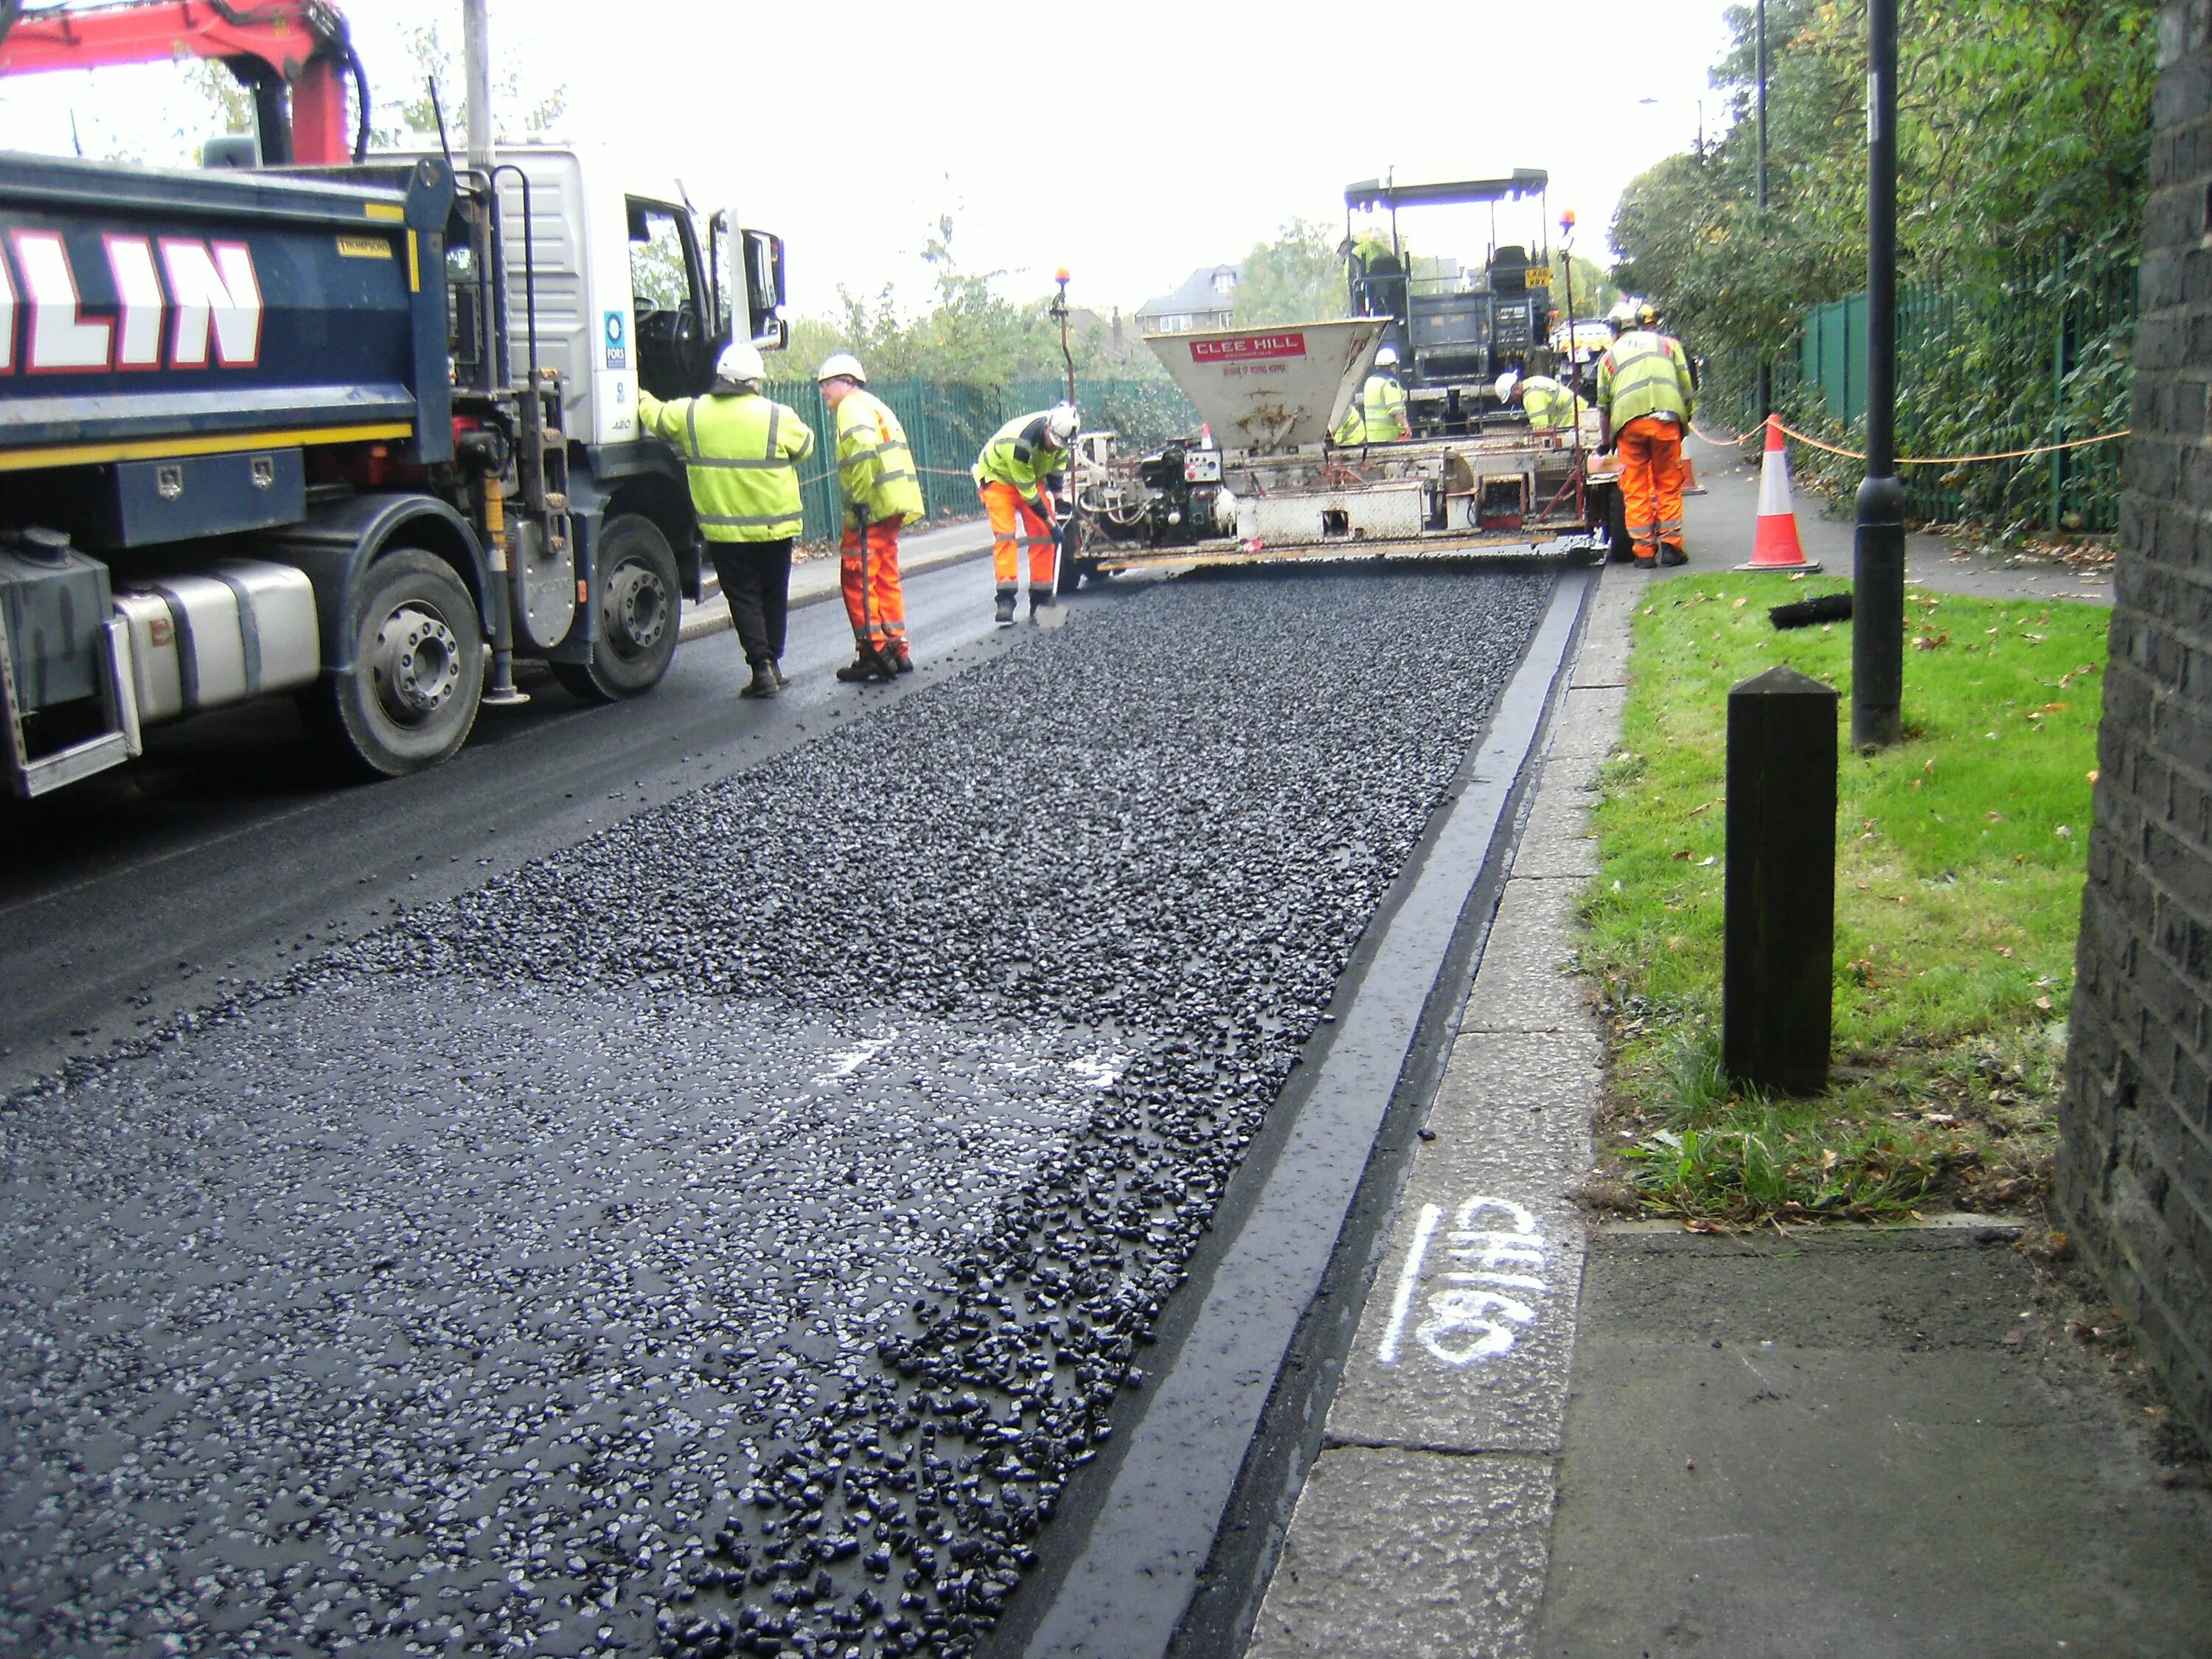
x=361, y=433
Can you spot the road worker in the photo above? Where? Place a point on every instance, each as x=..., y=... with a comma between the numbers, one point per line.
x=1550, y=406
x=1010, y=477
x=741, y=453
x=1645, y=398
x=882, y=495
x=1377, y=416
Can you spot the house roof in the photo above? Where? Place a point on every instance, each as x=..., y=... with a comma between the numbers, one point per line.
x=1197, y=294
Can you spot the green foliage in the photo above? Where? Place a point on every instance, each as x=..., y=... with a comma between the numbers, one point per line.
x=1297, y=278
x=432, y=60
x=1960, y=863
x=2023, y=138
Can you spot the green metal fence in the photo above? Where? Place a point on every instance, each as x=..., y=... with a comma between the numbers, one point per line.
x=2044, y=356
x=947, y=424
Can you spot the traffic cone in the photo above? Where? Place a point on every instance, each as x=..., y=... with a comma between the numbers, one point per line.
x=1775, y=544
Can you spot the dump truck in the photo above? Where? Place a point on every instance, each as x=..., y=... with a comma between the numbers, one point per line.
x=1261, y=482
x=357, y=429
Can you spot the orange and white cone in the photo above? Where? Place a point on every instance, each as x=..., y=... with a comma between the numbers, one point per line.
x=1775, y=544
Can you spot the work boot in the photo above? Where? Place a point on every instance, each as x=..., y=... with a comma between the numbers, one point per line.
x=776, y=668
x=1006, y=607
x=901, y=658
x=867, y=668
x=1646, y=560
x=764, y=682
x=1042, y=599
x=1670, y=554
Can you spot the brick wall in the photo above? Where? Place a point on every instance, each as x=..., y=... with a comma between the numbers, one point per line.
x=2136, y=1161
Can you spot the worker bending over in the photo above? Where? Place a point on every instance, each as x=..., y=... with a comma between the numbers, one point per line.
x=1551, y=407
x=741, y=453
x=1378, y=415
x=882, y=495
x=1010, y=476
x=1645, y=397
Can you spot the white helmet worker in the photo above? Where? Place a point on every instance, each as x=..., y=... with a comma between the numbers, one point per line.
x=1060, y=422
x=842, y=365
x=740, y=361
x=1387, y=358
x=1507, y=384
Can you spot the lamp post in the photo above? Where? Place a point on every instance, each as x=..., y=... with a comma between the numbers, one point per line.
x=1766, y=363
x=1878, y=571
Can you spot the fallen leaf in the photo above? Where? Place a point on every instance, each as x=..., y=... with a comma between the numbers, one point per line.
x=1828, y=1159
x=2094, y=774
x=1685, y=855
x=2044, y=1003
x=2052, y=708
x=1707, y=807
x=1703, y=863
x=2063, y=833
x=1994, y=816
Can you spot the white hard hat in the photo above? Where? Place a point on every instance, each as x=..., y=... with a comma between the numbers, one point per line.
x=841, y=363
x=1506, y=384
x=1060, y=423
x=740, y=361
x=1387, y=358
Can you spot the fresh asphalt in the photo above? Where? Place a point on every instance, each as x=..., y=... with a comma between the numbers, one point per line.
x=695, y=1118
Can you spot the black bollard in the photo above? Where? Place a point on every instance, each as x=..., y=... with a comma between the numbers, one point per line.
x=1778, y=958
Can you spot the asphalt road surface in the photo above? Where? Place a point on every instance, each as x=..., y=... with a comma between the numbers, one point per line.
x=694, y=1177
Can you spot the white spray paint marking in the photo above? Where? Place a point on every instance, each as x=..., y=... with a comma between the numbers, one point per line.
x=1099, y=1071
x=1469, y=1317
x=849, y=1060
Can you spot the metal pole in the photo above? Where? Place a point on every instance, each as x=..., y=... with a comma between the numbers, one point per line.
x=1878, y=571
x=1766, y=363
x=476, y=57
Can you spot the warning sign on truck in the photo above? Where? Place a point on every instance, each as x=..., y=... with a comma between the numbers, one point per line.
x=1248, y=349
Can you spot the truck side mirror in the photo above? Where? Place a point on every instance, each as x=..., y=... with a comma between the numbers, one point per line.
x=764, y=288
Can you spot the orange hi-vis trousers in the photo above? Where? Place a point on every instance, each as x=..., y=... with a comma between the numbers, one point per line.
x=1651, y=480
x=875, y=601
x=1015, y=523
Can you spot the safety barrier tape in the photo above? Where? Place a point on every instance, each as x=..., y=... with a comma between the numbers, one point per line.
x=1926, y=460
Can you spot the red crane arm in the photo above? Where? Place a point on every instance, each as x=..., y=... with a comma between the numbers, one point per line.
x=297, y=47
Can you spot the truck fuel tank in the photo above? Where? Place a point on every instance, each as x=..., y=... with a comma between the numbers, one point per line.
x=205, y=640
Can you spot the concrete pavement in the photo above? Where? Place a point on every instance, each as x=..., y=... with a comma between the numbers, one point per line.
x=1560, y=1438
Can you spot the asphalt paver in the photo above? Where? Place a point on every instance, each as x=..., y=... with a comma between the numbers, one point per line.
x=732, y=1232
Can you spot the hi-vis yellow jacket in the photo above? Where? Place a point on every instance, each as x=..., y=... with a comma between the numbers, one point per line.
x=875, y=469
x=1377, y=416
x=741, y=453
x=1018, y=456
x=1645, y=372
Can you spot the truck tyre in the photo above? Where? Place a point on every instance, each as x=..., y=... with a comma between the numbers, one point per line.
x=418, y=652
x=638, y=595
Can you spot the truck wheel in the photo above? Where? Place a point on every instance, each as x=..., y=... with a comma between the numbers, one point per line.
x=638, y=595
x=418, y=655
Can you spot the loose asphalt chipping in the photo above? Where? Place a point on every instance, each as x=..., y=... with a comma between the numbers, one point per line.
x=735, y=1232
x=1557, y=1438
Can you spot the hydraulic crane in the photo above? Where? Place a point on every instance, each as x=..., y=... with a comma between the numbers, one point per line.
x=293, y=56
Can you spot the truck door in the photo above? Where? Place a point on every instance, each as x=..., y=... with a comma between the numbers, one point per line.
x=675, y=331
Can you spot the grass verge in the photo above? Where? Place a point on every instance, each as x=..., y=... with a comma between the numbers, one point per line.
x=1959, y=858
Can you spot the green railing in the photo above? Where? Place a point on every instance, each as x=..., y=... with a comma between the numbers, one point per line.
x=948, y=423
x=2043, y=357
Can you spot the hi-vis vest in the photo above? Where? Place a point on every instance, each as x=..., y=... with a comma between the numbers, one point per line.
x=1018, y=455
x=1377, y=416
x=875, y=469
x=1550, y=406
x=1645, y=374
x=741, y=453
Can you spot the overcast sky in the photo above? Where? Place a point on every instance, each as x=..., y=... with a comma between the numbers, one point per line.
x=1189, y=131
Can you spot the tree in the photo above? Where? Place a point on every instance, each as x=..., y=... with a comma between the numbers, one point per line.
x=436, y=63
x=1297, y=278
